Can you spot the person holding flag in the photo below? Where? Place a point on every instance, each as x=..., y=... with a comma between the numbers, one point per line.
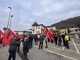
x=12, y=48
x=11, y=39
x=48, y=33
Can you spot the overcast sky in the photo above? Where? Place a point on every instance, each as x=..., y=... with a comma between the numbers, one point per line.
x=47, y=12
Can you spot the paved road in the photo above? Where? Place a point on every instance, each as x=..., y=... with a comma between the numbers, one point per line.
x=55, y=52
x=52, y=53
x=36, y=54
x=4, y=53
x=71, y=53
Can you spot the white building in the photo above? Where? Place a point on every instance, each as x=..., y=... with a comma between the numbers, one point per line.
x=75, y=30
x=37, y=28
x=53, y=28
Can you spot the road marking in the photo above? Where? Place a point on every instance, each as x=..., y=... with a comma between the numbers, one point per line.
x=59, y=54
x=63, y=48
x=56, y=48
x=75, y=46
x=60, y=49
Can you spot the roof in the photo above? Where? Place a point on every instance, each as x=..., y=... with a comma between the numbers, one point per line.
x=40, y=25
x=35, y=24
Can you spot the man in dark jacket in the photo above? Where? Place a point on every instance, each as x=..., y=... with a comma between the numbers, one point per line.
x=56, y=39
x=25, y=46
x=30, y=41
x=36, y=39
x=63, y=37
x=18, y=47
x=12, y=48
x=59, y=40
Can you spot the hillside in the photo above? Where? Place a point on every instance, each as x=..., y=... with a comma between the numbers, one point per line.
x=71, y=22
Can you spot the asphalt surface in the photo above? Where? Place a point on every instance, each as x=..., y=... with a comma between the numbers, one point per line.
x=36, y=54
x=4, y=53
x=55, y=52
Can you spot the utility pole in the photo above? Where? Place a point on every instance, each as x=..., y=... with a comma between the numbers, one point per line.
x=9, y=17
x=10, y=21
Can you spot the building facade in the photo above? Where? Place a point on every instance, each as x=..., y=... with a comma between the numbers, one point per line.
x=37, y=28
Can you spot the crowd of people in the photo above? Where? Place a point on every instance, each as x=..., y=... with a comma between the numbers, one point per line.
x=62, y=40
x=59, y=39
x=27, y=41
x=39, y=40
x=15, y=42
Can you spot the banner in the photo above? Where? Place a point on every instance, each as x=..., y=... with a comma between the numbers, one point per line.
x=16, y=34
x=1, y=35
x=6, y=40
x=48, y=33
x=21, y=36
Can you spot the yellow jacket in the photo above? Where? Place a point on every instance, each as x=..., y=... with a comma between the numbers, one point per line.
x=66, y=38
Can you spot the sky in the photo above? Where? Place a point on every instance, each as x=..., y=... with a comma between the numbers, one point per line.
x=47, y=12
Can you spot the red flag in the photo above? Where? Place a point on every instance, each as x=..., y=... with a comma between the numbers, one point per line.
x=16, y=34
x=1, y=35
x=21, y=36
x=48, y=33
x=6, y=40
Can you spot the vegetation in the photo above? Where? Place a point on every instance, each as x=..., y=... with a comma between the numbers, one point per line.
x=71, y=22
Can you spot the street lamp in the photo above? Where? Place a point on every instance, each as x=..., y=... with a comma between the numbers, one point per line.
x=10, y=21
x=9, y=17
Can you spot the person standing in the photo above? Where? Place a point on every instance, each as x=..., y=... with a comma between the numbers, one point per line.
x=30, y=41
x=67, y=41
x=36, y=39
x=56, y=38
x=63, y=37
x=18, y=39
x=12, y=48
x=59, y=40
x=41, y=41
x=46, y=42
x=25, y=46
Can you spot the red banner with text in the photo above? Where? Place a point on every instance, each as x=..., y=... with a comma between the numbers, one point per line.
x=48, y=33
x=6, y=40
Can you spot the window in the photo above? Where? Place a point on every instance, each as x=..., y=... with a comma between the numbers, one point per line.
x=76, y=30
x=38, y=27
